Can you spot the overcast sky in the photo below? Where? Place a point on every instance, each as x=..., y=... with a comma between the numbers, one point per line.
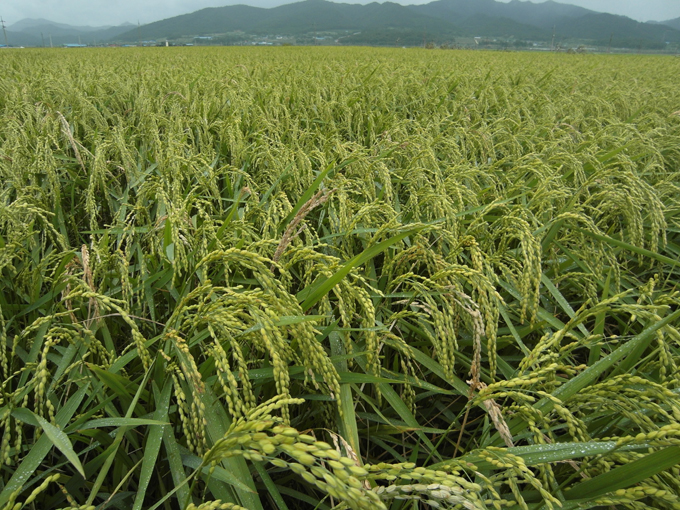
x=114, y=12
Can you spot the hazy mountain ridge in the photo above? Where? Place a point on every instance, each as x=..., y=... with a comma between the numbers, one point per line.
x=37, y=31
x=617, y=28
x=31, y=25
x=296, y=18
x=565, y=21
x=541, y=15
x=673, y=23
x=440, y=20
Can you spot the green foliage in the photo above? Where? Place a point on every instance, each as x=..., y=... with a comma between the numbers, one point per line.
x=307, y=278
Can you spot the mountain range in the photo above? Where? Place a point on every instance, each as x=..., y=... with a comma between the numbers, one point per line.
x=437, y=21
x=39, y=32
x=378, y=23
x=673, y=23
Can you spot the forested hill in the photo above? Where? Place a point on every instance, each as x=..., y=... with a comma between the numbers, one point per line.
x=673, y=23
x=437, y=20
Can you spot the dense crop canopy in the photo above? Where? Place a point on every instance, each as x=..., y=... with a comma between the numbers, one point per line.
x=324, y=278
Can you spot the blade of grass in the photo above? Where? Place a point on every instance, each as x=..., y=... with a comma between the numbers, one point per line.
x=429, y=363
x=113, y=449
x=347, y=422
x=177, y=472
x=626, y=475
x=272, y=488
x=42, y=447
x=217, y=473
x=599, y=323
x=534, y=455
x=118, y=422
x=315, y=292
x=153, y=444
x=398, y=405
x=58, y=438
x=218, y=423
x=629, y=247
x=562, y=301
x=311, y=190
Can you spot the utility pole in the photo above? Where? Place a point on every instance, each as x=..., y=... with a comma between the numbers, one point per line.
x=2, y=21
x=43, y=38
x=609, y=48
x=51, y=46
x=139, y=34
x=663, y=39
x=552, y=44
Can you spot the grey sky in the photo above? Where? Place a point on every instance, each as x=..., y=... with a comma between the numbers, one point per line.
x=114, y=12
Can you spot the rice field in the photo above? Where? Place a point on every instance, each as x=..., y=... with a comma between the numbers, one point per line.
x=321, y=278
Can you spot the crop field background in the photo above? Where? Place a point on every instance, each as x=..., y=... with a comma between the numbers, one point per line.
x=313, y=278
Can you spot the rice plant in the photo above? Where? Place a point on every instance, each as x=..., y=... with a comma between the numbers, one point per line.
x=303, y=278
